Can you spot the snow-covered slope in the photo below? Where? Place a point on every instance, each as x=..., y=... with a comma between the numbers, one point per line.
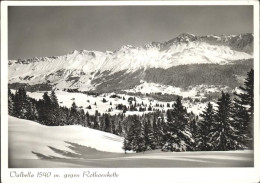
x=27, y=136
x=78, y=69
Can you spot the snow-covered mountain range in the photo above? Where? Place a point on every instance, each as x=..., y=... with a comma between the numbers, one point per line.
x=165, y=63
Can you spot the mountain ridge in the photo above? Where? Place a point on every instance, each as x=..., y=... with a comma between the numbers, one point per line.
x=84, y=69
x=181, y=37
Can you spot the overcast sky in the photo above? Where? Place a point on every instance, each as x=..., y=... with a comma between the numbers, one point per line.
x=52, y=31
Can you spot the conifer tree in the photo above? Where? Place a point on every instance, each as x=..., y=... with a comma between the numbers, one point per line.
x=135, y=137
x=87, y=120
x=242, y=123
x=16, y=110
x=101, y=125
x=74, y=115
x=21, y=104
x=224, y=136
x=156, y=132
x=107, y=127
x=205, y=125
x=55, y=111
x=126, y=145
x=96, y=123
x=113, y=127
x=169, y=115
x=45, y=110
x=47, y=99
x=177, y=134
x=149, y=108
x=32, y=113
x=247, y=95
x=149, y=139
x=54, y=99
x=63, y=116
x=82, y=117
x=119, y=129
x=193, y=128
x=243, y=112
x=10, y=103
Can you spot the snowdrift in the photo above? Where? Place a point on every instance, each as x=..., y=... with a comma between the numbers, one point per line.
x=28, y=140
x=27, y=136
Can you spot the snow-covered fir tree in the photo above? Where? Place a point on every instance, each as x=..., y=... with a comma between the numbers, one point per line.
x=113, y=127
x=126, y=145
x=82, y=118
x=10, y=103
x=243, y=110
x=96, y=122
x=135, y=136
x=148, y=135
x=177, y=134
x=55, y=112
x=32, y=112
x=54, y=99
x=45, y=110
x=21, y=104
x=74, y=117
x=87, y=119
x=119, y=129
x=107, y=123
x=156, y=132
x=205, y=125
x=193, y=124
x=224, y=136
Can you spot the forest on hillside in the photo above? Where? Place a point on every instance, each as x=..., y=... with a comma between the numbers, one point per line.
x=227, y=127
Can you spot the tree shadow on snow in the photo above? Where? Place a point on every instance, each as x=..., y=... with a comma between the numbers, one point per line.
x=84, y=156
x=76, y=152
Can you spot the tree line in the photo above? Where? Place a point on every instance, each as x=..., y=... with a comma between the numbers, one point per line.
x=47, y=111
x=226, y=126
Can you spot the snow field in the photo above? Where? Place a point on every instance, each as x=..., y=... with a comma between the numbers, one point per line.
x=26, y=136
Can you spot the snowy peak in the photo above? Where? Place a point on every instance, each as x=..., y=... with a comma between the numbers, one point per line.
x=242, y=42
x=80, y=69
x=124, y=48
x=152, y=45
x=185, y=37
